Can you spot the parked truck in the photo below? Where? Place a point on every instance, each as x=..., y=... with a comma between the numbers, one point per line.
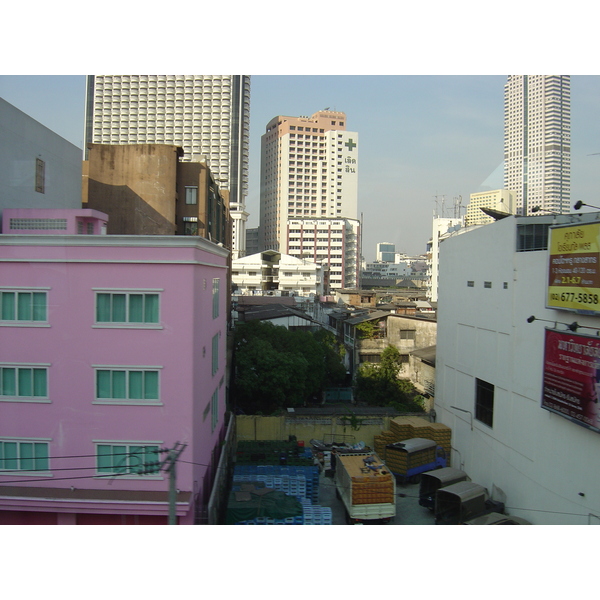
x=463, y=501
x=366, y=487
x=435, y=480
x=409, y=458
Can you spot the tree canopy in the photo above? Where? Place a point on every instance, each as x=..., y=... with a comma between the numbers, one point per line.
x=276, y=368
x=379, y=384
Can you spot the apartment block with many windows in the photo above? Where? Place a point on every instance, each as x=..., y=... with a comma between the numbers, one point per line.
x=537, y=142
x=309, y=172
x=113, y=352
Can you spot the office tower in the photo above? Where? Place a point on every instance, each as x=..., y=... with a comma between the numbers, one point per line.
x=309, y=174
x=206, y=115
x=537, y=142
x=500, y=201
x=386, y=252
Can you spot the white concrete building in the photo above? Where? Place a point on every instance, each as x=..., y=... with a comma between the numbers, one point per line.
x=38, y=168
x=490, y=369
x=386, y=252
x=309, y=171
x=497, y=200
x=206, y=115
x=537, y=142
x=442, y=229
x=334, y=243
x=276, y=273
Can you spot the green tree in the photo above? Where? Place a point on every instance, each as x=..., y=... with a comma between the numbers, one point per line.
x=379, y=384
x=276, y=368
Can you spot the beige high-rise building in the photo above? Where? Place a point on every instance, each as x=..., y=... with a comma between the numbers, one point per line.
x=537, y=142
x=309, y=172
x=497, y=200
x=206, y=115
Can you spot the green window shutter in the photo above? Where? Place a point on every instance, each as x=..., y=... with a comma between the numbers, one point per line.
x=103, y=384
x=9, y=382
x=119, y=385
x=8, y=306
x=41, y=456
x=39, y=306
x=119, y=308
x=151, y=308
x=136, y=308
x=151, y=385
x=103, y=308
x=152, y=456
x=40, y=384
x=24, y=306
x=136, y=385
x=120, y=459
x=136, y=459
x=25, y=382
x=26, y=456
x=104, y=459
x=10, y=455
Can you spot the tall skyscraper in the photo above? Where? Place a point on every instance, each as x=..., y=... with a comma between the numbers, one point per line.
x=537, y=142
x=206, y=115
x=309, y=173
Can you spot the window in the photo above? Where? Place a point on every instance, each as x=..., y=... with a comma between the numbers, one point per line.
x=215, y=353
x=127, y=308
x=214, y=409
x=191, y=195
x=40, y=175
x=370, y=358
x=24, y=383
x=407, y=334
x=532, y=237
x=484, y=402
x=126, y=385
x=127, y=458
x=23, y=307
x=215, y=310
x=23, y=455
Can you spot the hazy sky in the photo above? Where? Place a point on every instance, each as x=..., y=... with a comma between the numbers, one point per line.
x=421, y=136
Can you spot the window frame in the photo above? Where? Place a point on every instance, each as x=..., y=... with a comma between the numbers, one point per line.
x=41, y=442
x=127, y=369
x=216, y=297
x=484, y=402
x=215, y=352
x=17, y=322
x=127, y=323
x=40, y=398
x=115, y=469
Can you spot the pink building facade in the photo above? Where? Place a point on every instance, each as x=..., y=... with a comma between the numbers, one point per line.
x=112, y=351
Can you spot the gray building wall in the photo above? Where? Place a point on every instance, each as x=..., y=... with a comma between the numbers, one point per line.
x=22, y=141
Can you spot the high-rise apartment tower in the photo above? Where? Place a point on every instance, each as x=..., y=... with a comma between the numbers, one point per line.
x=206, y=115
x=309, y=175
x=537, y=142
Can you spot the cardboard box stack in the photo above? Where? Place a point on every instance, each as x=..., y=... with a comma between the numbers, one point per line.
x=405, y=428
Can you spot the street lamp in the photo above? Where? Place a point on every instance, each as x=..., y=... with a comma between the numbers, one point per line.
x=579, y=204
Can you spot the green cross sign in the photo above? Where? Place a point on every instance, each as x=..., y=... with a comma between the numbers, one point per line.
x=350, y=144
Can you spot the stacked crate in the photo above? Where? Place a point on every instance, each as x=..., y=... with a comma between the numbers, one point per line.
x=382, y=440
x=442, y=435
x=400, y=461
x=377, y=488
x=405, y=428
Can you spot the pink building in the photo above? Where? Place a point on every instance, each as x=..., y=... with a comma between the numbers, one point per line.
x=112, y=351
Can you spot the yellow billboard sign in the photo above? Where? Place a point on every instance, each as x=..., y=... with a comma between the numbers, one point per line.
x=574, y=268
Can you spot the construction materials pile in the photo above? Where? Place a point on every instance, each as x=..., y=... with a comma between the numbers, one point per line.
x=404, y=428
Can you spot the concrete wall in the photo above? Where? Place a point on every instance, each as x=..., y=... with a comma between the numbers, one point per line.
x=543, y=463
x=135, y=185
x=22, y=140
x=320, y=427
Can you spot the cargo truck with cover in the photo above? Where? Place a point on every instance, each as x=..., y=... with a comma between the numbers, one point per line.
x=409, y=458
x=435, y=480
x=366, y=487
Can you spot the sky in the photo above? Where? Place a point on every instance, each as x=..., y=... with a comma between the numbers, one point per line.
x=426, y=142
